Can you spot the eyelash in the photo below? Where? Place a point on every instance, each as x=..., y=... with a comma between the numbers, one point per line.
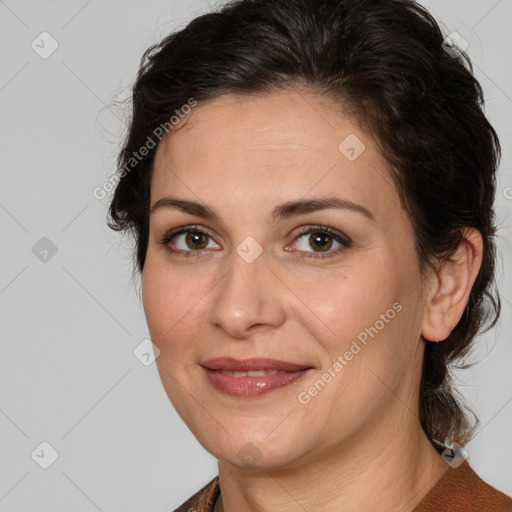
x=342, y=239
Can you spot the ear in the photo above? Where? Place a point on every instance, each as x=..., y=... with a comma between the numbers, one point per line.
x=451, y=287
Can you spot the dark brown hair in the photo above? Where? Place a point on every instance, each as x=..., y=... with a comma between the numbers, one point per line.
x=387, y=63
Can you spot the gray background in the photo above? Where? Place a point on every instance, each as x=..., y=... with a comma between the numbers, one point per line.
x=70, y=321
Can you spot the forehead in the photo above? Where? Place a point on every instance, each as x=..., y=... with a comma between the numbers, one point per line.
x=272, y=148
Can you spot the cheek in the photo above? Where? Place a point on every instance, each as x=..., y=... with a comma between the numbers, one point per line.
x=169, y=297
x=157, y=293
x=342, y=307
x=363, y=320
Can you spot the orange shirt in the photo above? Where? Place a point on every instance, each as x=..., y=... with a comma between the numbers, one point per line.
x=458, y=490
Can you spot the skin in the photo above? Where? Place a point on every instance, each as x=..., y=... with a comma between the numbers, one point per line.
x=243, y=156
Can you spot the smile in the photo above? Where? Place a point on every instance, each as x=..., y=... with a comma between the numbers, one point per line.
x=252, y=377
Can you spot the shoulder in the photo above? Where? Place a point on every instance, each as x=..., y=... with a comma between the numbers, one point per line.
x=203, y=500
x=461, y=489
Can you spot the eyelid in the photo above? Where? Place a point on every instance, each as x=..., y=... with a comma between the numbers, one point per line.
x=344, y=241
x=320, y=228
x=169, y=235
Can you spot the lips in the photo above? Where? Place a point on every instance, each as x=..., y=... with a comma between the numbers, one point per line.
x=255, y=363
x=252, y=377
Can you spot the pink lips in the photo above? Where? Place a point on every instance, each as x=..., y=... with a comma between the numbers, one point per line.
x=262, y=375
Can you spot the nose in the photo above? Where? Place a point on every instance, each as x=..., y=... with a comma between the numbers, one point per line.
x=247, y=298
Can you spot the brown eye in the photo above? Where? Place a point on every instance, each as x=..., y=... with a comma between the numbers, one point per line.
x=320, y=241
x=188, y=240
x=196, y=240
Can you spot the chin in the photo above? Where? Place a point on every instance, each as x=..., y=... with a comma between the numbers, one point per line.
x=251, y=446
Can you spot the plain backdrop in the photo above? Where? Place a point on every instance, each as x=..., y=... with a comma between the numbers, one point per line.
x=71, y=318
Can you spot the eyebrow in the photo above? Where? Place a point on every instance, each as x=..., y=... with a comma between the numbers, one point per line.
x=283, y=211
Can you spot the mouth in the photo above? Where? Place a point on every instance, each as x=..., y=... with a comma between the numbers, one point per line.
x=252, y=377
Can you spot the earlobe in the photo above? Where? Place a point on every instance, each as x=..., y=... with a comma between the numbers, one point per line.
x=451, y=287
x=446, y=335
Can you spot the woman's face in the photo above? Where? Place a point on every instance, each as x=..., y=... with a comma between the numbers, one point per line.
x=260, y=270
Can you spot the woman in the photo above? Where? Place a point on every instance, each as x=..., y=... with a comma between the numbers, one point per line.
x=310, y=184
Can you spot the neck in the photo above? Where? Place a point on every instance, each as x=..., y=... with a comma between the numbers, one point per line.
x=368, y=472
